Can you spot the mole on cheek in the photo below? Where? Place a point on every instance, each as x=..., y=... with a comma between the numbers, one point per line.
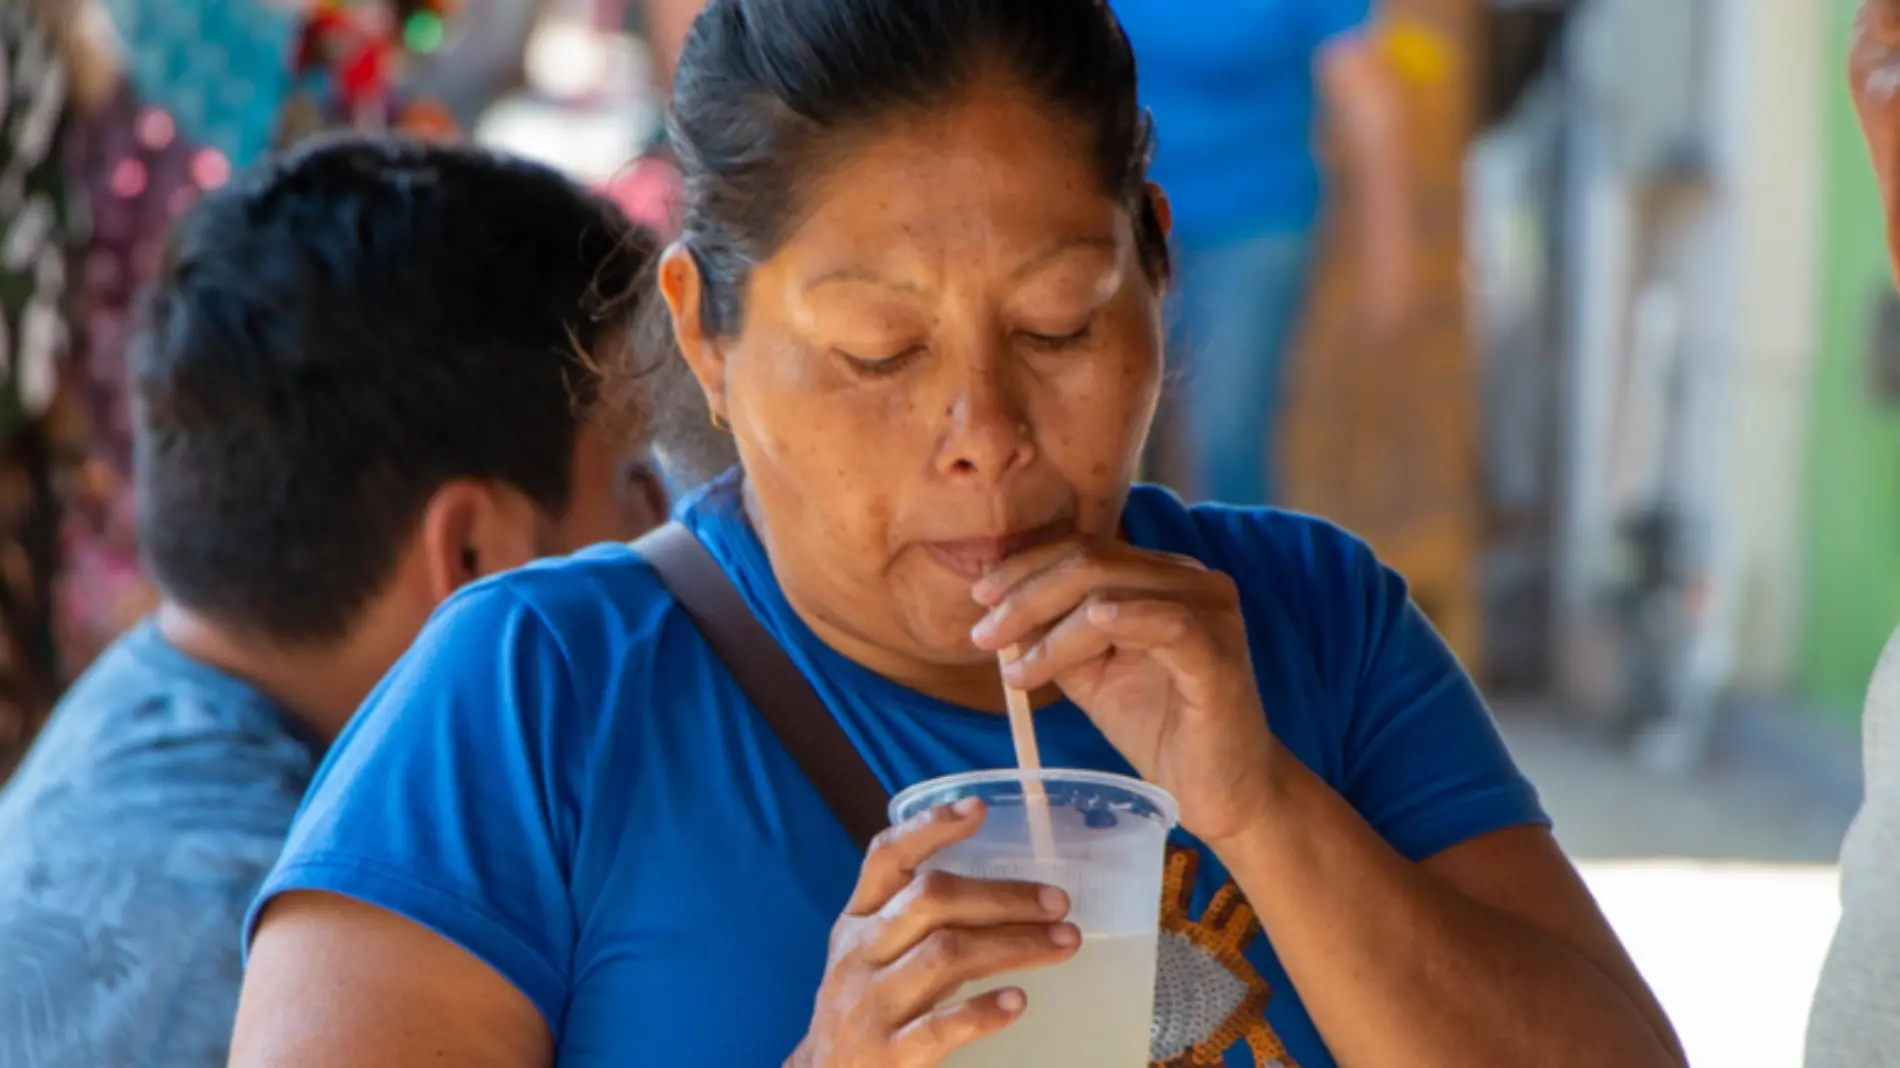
x=1099, y=469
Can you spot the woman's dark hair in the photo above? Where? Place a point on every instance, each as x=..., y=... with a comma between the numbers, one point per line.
x=766, y=87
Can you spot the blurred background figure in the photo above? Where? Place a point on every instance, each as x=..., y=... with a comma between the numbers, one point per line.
x=1241, y=95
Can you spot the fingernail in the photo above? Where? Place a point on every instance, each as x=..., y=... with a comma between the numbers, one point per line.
x=1053, y=900
x=1065, y=935
x=1102, y=612
x=985, y=628
x=987, y=590
x=1014, y=671
x=1011, y=1001
x=966, y=808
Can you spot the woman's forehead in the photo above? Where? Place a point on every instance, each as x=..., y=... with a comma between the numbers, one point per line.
x=988, y=181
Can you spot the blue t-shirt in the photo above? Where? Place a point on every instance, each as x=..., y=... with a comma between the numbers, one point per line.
x=1233, y=88
x=131, y=841
x=563, y=779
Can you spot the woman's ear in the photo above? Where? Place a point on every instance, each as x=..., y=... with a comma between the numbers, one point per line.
x=1164, y=211
x=683, y=288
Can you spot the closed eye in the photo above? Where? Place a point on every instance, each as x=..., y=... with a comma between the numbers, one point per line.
x=880, y=366
x=1058, y=342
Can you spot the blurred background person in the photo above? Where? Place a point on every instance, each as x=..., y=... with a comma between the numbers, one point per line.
x=1241, y=94
x=367, y=382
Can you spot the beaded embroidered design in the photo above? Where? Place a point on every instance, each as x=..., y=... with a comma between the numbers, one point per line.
x=1208, y=997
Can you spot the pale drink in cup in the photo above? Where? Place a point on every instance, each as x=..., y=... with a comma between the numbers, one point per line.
x=1107, y=849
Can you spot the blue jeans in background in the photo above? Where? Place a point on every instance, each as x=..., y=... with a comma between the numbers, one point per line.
x=1236, y=313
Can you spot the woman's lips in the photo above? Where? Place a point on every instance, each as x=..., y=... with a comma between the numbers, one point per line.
x=971, y=558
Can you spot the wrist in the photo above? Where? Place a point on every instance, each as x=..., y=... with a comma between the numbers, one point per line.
x=1277, y=815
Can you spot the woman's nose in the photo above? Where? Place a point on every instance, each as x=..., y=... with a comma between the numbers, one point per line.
x=990, y=433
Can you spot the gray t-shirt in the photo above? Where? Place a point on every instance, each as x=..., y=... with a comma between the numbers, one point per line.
x=1856, y=1017
x=131, y=842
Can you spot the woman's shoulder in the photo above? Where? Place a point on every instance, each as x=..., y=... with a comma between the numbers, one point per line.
x=599, y=600
x=556, y=644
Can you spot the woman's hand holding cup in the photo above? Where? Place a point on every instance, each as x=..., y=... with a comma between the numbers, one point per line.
x=909, y=940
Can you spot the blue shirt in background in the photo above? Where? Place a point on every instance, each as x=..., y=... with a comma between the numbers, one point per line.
x=1232, y=85
x=131, y=841
x=562, y=778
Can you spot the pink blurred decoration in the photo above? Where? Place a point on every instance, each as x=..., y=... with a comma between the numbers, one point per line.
x=156, y=129
x=649, y=191
x=129, y=179
x=209, y=168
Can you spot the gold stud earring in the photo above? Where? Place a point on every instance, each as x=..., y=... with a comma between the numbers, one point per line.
x=720, y=423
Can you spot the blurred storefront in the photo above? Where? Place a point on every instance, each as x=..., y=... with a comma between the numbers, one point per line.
x=1647, y=252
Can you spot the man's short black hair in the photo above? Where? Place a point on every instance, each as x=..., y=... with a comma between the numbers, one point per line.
x=340, y=332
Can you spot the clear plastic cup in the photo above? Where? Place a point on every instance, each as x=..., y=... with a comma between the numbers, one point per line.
x=1110, y=838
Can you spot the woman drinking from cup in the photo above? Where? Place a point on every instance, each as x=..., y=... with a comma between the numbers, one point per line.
x=920, y=279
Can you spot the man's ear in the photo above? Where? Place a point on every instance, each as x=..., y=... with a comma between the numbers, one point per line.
x=472, y=529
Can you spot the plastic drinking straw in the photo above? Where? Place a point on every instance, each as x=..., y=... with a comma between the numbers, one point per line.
x=1022, y=731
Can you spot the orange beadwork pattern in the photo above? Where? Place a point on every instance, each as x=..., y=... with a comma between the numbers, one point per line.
x=1221, y=1014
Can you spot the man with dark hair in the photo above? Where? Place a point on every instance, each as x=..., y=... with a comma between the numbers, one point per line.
x=369, y=378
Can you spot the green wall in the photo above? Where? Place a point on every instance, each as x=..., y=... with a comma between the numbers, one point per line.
x=1852, y=532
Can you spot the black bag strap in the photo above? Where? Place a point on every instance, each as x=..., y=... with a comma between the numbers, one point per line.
x=770, y=680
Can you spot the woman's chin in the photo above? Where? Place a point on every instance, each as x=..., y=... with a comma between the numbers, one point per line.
x=942, y=637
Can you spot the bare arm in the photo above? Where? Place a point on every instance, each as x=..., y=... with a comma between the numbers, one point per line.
x=1363, y=105
x=336, y=982
x=1492, y=952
